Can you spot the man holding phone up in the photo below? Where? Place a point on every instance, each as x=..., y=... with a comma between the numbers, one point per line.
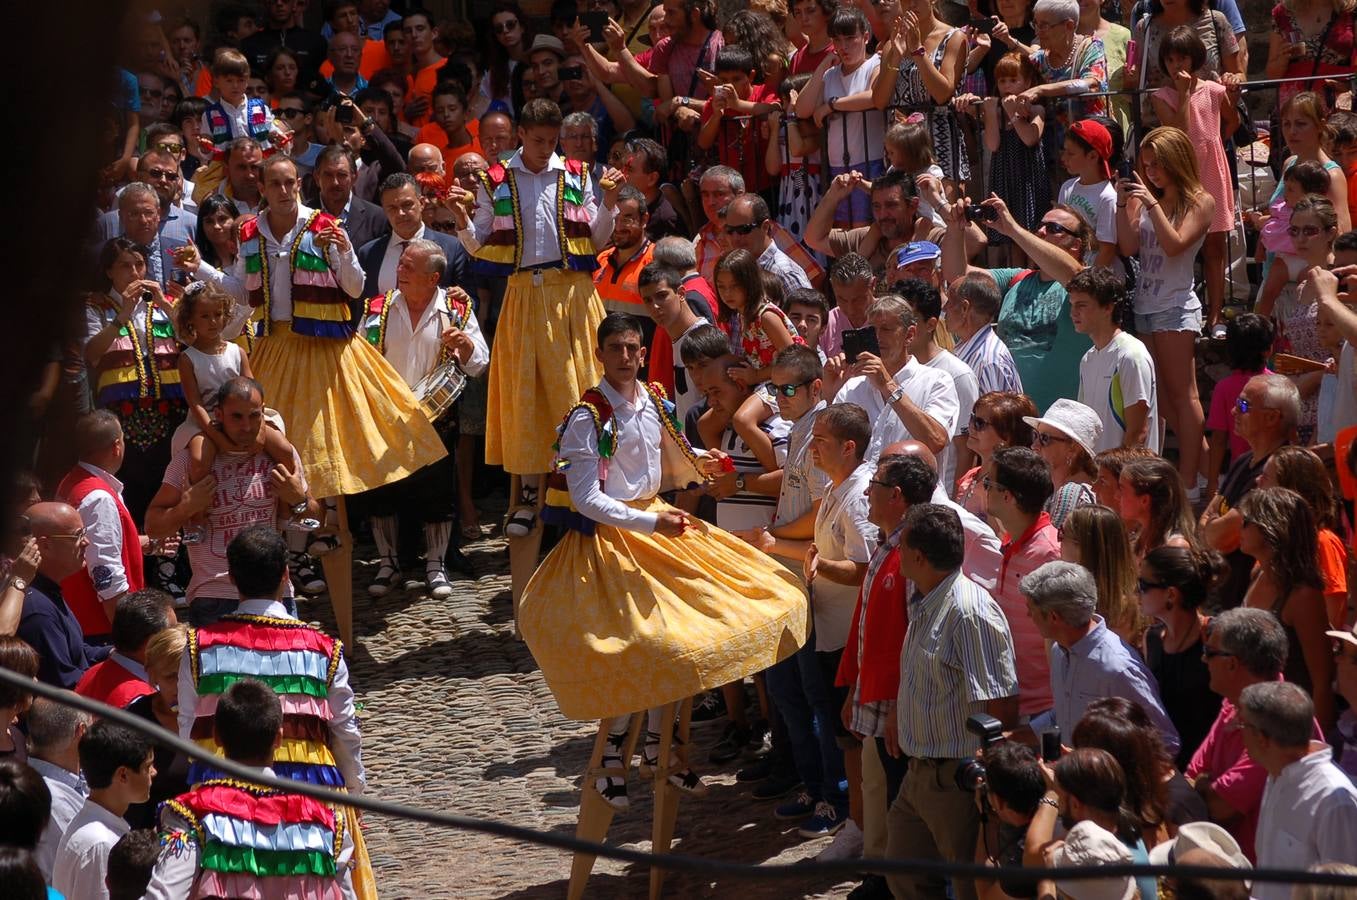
x=904, y=398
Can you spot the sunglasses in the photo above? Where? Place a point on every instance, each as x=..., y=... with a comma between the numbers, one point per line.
x=743, y=229
x=1042, y=439
x=1056, y=228
x=77, y=536
x=1308, y=230
x=1144, y=587
x=162, y=174
x=978, y=424
x=289, y=112
x=506, y=27
x=1212, y=653
x=172, y=149
x=788, y=390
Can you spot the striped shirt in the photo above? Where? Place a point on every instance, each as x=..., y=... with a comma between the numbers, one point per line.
x=803, y=482
x=957, y=656
x=990, y=360
x=747, y=509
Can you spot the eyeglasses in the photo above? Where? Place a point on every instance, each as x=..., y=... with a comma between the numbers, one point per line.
x=1042, y=439
x=76, y=536
x=991, y=484
x=289, y=112
x=1056, y=228
x=788, y=390
x=172, y=149
x=1144, y=587
x=1212, y=652
x=743, y=229
x=506, y=27
x=153, y=93
x=1244, y=406
x=162, y=174
x=1307, y=230
x=978, y=424
x=879, y=483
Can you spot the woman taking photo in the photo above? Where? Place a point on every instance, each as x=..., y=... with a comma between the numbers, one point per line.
x=1095, y=538
x=1154, y=508
x=1303, y=472
x=1280, y=534
x=998, y=419
x=921, y=69
x=1173, y=585
x=1065, y=438
x=1162, y=218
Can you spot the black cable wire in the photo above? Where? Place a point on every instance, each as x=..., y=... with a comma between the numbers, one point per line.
x=676, y=862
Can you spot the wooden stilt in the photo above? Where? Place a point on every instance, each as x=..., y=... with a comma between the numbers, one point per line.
x=666, y=797
x=338, y=568
x=523, y=551
x=596, y=814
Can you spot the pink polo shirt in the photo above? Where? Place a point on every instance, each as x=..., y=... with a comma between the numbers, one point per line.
x=1034, y=548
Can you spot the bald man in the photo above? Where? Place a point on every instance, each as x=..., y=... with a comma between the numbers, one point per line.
x=47, y=623
x=464, y=169
x=983, y=556
x=425, y=158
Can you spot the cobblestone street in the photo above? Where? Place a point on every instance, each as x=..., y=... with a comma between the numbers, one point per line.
x=456, y=718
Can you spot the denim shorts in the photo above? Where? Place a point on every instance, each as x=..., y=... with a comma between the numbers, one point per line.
x=1170, y=320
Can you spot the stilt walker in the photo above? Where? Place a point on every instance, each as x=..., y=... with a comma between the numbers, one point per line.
x=639, y=606
x=354, y=422
x=536, y=222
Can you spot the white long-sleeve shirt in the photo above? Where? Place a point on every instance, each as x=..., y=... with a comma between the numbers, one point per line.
x=178, y=865
x=345, y=266
x=81, y=862
x=537, y=196
x=346, y=742
x=633, y=472
x=103, y=526
x=412, y=348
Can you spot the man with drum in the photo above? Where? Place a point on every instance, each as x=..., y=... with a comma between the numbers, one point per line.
x=430, y=336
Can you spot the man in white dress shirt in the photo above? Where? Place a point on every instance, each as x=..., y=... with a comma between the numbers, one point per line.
x=417, y=327
x=119, y=764
x=1309, y=809
x=916, y=401
x=54, y=733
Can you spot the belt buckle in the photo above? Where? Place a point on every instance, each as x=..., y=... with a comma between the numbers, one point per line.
x=536, y=277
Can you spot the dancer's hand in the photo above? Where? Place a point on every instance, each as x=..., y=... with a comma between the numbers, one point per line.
x=811, y=567
x=671, y=523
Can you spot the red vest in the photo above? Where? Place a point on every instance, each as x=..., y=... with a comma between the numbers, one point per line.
x=108, y=682
x=79, y=588
x=883, y=632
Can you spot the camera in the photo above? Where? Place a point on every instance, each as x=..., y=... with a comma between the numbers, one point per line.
x=343, y=111
x=570, y=73
x=977, y=213
x=970, y=774
x=982, y=26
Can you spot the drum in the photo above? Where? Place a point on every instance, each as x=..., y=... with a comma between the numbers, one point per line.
x=437, y=391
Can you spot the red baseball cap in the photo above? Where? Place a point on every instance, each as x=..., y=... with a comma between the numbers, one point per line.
x=1097, y=137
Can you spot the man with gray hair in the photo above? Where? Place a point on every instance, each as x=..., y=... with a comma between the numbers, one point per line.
x=419, y=327
x=54, y=732
x=969, y=310
x=718, y=187
x=749, y=226
x=1242, y=647
x=1309, y=809
x=141, y=219
x=852, y=280
x=158, y=171
x=679, y=254
x=1265, y=416
x=1089, y=661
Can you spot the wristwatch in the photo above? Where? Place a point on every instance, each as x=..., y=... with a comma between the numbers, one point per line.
x=18, y=583
x=739, y=482
x=895, y=396
x=299, y=508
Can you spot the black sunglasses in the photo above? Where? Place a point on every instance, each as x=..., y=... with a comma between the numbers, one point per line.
x=978, y=424
x=289, y=112
x=1144, y=587
x=743, y=229
x=1057, y=228
x=788, y=390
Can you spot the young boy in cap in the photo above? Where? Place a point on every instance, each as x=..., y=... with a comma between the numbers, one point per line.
x=1091, y=192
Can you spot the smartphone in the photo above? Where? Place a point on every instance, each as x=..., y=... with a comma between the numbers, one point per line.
x=1050, y=745
x=344, y=113
x=1126, y=170
x=857, y=341
x=982, y=26
x=596, y=21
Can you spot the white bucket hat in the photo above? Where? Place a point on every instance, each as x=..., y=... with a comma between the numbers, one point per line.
x=1073, y=419
x=1089, y=844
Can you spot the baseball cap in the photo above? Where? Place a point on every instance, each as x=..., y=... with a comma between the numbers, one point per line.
x=916, y=251
x=1097, y=137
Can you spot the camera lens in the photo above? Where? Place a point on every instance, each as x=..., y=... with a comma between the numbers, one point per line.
x=970, y=774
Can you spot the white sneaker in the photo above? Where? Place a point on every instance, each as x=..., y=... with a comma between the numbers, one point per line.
x=847, y=844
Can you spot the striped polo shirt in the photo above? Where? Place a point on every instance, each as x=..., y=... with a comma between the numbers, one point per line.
x=990, y=360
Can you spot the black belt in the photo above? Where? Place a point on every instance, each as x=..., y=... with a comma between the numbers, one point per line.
x=543, y=267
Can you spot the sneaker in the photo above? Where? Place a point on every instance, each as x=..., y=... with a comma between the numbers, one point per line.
x=824, y=822
x=384, y=580
x=873, y=887
x=439, y=586
x=847, y=844
x=1218, y=331
x=755, y=771
x=776, y=786
x=306, y=576
x=731, y=745
x=800, y=806
x=760, y=742
x=711, y=707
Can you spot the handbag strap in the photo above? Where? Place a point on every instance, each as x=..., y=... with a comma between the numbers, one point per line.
x=697, y=66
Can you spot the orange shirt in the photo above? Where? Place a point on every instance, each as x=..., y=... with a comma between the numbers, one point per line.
x=433, y=133
x=203, y=86
x=617, y=285
x=1333, y=571
x=426, y=79
x=374, y=59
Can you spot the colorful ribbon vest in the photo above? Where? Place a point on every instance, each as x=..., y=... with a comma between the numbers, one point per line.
x=502, y=252
x=259, y=842
x=79, y=589
x=221, y=126
x=294, y=659
x=320, y=308
x=144, y=393
x=380, y=306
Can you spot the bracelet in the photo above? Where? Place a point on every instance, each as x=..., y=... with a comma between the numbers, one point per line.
x=918, y=51
x=890, y=68
x=1121, y=206
x=1048, y=801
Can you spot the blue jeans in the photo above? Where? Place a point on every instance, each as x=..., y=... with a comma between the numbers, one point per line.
x=797, y=689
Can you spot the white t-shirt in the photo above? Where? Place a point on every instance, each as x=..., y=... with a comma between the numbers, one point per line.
x=866, y=131
x=967, y=392
x=1097, y=205
x=1338, y=398
x=842, y=531
x=1115, y=377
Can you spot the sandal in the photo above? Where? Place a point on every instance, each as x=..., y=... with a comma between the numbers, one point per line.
x=385, y=579
x=523, y=516
x=471, y=531
x=685, y=779
x=611, y=780
x=322, y=543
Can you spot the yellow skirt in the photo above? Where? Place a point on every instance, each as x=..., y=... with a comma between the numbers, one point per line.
x=353, y=420
x=543, y=361
x=623, y=621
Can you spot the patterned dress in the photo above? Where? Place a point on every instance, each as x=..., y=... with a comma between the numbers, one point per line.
x=910, y=95
x=755, y=344
x=1010, y=173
